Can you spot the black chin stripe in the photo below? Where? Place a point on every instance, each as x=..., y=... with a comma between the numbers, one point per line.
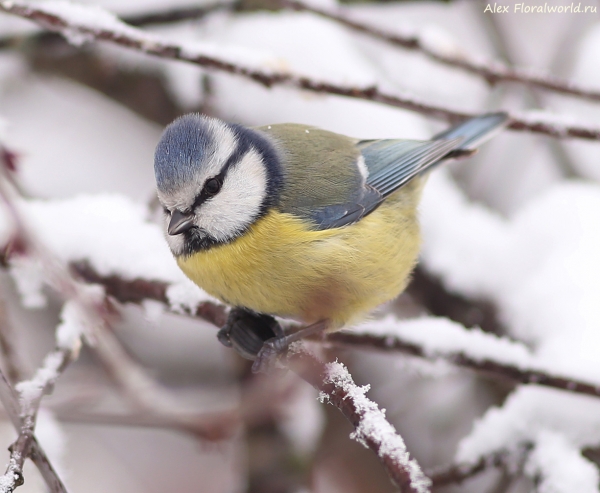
x=194, y=241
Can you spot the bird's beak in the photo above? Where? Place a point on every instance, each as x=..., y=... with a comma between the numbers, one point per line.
x=180, y=222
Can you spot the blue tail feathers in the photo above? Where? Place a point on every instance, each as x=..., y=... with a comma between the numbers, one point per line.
x=475, y=130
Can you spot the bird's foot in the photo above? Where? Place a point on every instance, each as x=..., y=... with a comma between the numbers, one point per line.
x=246, y=332
x=260, y=338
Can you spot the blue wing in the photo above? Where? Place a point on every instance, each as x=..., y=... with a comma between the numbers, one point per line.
x=393, y=163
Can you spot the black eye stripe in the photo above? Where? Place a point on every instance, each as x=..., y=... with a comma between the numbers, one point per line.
x=241, y=149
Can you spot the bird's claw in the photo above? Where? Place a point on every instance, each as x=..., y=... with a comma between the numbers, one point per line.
x=224, y=336
x=267, y=359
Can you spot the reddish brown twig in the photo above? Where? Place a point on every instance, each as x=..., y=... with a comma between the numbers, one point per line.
x=129, y=37
x=371, y=428
x=492, y=72
x=204, y=426
x=457, y=473
x=26, y=446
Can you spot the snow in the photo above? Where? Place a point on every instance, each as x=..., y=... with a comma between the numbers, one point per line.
x=72, y=325
x=31, y=391
x=538, y=263
x=29, y=281
x=153, y=310
x=9, y=479
x=542, y=270
x=442, y=336
x=540, y=266
x=560, y=466
x=373, y=425
x=81, y=19
x=303, y=420
x=112, y=233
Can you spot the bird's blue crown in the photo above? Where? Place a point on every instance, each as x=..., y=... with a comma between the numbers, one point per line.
x=181, y=149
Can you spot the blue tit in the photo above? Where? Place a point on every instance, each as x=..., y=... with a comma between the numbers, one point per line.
x=294, y=221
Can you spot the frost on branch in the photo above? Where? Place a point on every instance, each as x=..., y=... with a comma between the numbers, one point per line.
x=372, y=427
x=441, y=336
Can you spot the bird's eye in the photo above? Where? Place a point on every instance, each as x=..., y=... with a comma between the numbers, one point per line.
x=166, y=211
x=212, y=186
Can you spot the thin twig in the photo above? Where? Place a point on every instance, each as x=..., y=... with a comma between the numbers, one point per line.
x=131, y=38
x=457, y=473
x=212, y=426
x=167, y=16
x=15, y=370
x=178, y=14
x=495, y=369
x=492, y=72
x=372, y=430
x=90, y=312
x=13, y=475
x=31, y=392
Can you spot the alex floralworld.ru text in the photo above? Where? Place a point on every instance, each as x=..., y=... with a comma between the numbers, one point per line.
x=523, y=8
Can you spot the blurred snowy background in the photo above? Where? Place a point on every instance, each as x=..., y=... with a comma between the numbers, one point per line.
x=511, y=244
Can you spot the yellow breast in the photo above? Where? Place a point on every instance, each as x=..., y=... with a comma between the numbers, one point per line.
x=283, y=268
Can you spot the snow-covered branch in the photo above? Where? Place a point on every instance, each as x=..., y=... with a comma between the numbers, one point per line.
x=372, y=430
x=392, y=455
x=457, y=473
x=25, y=446
x=492, y=72
x=80, y=24
x=514, y=368
x=86, y=314
x=490, y=366
x=178, y=14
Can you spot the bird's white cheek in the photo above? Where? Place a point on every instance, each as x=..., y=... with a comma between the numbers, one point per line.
x=239, y=201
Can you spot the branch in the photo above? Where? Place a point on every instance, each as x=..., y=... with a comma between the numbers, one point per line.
x=14, y=368
x=457, y=473
x=85, y=311
x=495, y=369
x=56, y=16
x=372, y=430
x=493, y=73
x=31, y=393
x=211, y=426
x=137, y=290
x=392, y=454
x=14, y=473
x=178, y=14
x=168, y=16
